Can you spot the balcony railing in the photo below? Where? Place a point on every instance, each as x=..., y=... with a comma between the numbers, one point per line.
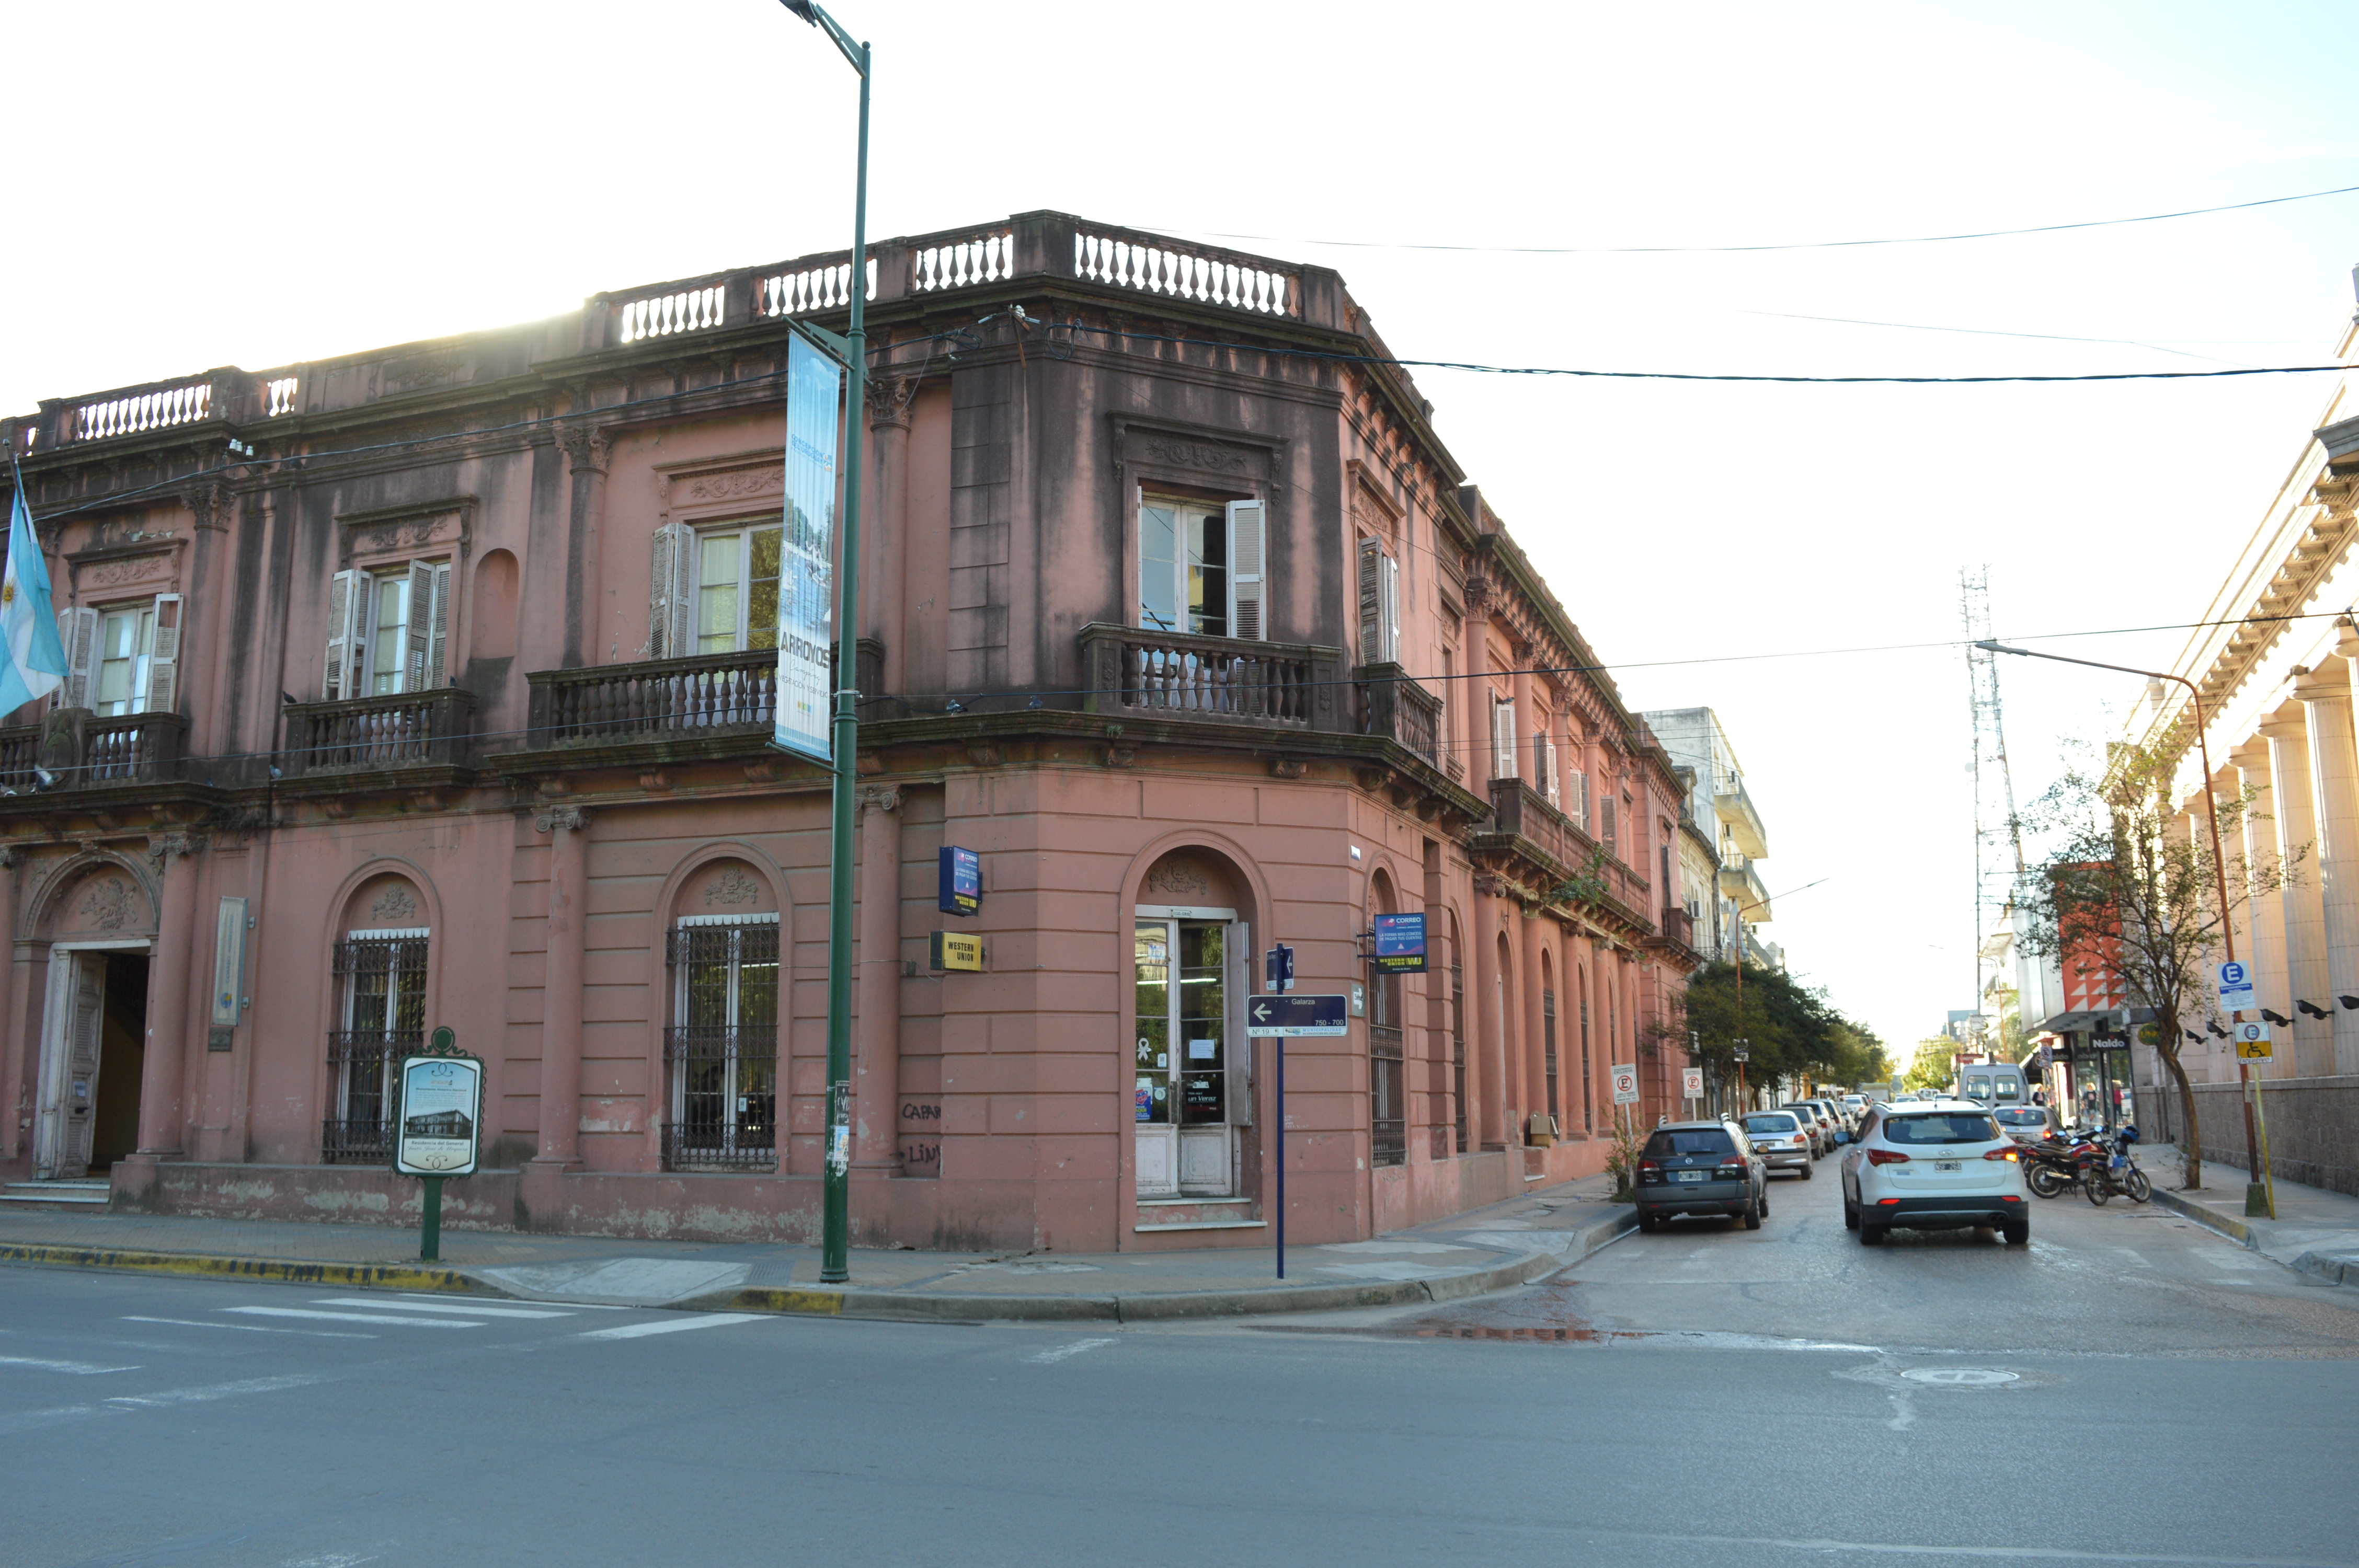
x=1166, y=674
x=1517, y=810
x=1392, y=704
x=75, y=747
x=414, y=729
x=707, y=693
x=1679, y=926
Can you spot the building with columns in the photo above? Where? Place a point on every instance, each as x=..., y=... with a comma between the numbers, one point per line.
x=432, y=686
x=2273, y=659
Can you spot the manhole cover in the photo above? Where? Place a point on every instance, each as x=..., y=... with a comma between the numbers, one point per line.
x=1958, y=1377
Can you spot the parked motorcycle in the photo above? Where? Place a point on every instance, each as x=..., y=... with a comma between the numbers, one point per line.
x=2110, y=1169
x=2057, y=1161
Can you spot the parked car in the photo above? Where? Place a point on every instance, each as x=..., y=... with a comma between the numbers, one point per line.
x=1822, y=1123
x=2024, y=1123
x=1934, y=1165
x=1857, y=1106
x=1781, y=1141
x=1701, y=1168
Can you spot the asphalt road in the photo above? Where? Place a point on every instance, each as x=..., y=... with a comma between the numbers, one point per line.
x=1708, y=1396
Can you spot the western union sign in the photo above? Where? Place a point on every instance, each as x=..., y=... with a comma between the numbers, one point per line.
x=953, y=951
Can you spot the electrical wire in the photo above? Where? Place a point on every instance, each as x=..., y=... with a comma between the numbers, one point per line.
x=1795, y=245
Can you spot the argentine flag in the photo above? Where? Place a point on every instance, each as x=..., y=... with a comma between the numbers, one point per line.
x=32, y=660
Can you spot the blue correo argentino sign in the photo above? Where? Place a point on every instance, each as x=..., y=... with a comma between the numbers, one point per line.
x=806, y=613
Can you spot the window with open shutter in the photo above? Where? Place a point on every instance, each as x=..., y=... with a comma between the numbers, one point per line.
x=160, y=690
x=1579, y=808
x=438, y=637
x=418, y=632
x=1505, y=764
x=1238, y=952
x=1547, y=770
x=1388, y=608
x=1248, y=545
x=1607, y=836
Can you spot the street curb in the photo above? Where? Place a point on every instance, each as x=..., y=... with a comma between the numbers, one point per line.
x=2209, y=1220
x=890, y=1305
x=1154, y=1306
x=197, y=1265
x=2334, y=1268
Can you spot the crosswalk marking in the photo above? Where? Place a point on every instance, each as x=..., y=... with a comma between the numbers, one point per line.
x=1046, y=1357
x=353, y=1317
x=381, y=1305
x=79, y=1368
x=673, y=1325
x=251, y=1327
x=570, y=1306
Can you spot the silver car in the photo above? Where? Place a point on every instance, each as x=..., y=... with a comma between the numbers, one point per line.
x=1780, y=1139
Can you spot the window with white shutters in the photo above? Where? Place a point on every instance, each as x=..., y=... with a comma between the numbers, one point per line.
x=1203, y=567
x=1546, y=759
x=735, y=579
x=1504, y=761
x=1577, y=809
x=388, y=631
x=130, y=660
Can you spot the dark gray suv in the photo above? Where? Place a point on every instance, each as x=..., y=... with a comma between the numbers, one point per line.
x=1701, y=1167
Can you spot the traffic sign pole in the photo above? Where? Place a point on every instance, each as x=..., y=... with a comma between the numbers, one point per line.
x=1279, y=1134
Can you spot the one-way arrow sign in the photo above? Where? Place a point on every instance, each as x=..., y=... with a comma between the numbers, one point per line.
x=1295, y=1013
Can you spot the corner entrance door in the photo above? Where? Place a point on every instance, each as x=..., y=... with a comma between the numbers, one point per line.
x=1190, y=1093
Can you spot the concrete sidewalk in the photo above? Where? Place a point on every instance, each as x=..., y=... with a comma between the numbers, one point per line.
x=1469, y=1254
x=2316, y=1231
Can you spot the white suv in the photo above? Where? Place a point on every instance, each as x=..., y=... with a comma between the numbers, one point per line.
x=1939, y=1165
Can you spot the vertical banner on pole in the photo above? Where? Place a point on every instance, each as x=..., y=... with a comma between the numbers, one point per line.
x=806, y=574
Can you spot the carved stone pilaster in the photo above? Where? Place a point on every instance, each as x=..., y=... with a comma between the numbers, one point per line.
x=881, y=797
x=551, y=818
x=889, y=398
x=162, y=847
x=586, y=447
x=211, y=505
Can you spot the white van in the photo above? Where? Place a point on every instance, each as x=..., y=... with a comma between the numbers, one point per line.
x=1993, y=1085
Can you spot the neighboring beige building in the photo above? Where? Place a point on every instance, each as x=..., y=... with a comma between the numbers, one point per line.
x=2273, y=658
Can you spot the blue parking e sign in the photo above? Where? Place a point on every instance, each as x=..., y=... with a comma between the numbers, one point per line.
x=962, y=881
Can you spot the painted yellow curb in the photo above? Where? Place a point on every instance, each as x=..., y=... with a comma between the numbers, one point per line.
x=395, y=1276
x=826, y=1304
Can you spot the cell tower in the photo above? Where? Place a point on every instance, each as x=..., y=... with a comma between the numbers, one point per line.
x=1998, y=840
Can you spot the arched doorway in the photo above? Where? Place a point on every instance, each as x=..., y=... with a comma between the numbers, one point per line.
x=1191, y=1092
x=99, y=922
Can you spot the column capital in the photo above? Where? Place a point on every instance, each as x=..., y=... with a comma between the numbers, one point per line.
x=2252, y=756
x=889, y=398
x=586, y=447
x=881, y=797
x=162, y=847
x=2324, y=684
x=552, y=818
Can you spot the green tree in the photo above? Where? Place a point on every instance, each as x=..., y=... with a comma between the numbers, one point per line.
x=2120, y=874
x=1934, y=1065
x=1793, y=1030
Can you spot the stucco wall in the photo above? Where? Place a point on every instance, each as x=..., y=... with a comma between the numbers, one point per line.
x=2313, y=1127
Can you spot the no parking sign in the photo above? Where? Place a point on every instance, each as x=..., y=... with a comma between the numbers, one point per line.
x=1626, y=1085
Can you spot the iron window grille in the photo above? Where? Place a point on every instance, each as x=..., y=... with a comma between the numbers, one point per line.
x=721, y=1058
x=1588, y=1090
x=383, y=978
x=1387, y=1075
x=1547, y=1046
x=1458, y=1050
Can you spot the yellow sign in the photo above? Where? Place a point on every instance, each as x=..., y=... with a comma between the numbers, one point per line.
x=952, y=951
x=2253, y=1042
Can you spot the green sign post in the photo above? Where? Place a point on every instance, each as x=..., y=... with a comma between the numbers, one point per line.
x=438, y=1132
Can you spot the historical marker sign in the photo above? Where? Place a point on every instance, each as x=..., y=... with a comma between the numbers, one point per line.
x=441, y=1116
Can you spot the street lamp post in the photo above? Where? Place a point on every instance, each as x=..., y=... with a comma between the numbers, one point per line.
x=2260, y=1193
x=835, y=1263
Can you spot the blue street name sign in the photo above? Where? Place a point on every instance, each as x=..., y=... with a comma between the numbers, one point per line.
x=1400, y=944
x=1282, y=1017
x=1280, y=963
x=962, y=881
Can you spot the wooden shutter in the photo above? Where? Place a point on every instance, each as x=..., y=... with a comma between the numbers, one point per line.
x=418, y=626
x=1388, y=608
x=78, y=636
x=1547, y=770
x=1580, y=812
x=1236, y=946
x=438, y=634
x=672, y=592
x=1248, y=545
x=1371, y=603
x=1505, y=764
x=339, y=680
x=1608, y=834
x=82, y=1050
x=160, y=692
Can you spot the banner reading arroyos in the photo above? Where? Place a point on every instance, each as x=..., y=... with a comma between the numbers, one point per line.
x=806, y=577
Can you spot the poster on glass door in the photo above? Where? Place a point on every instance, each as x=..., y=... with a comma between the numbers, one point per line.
x=806, y=577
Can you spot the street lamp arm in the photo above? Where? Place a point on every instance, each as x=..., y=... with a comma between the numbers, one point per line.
x=857, y=54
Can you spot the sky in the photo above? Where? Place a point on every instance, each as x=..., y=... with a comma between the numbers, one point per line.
x=253, y=184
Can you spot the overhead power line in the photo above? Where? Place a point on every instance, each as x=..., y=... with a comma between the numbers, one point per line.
x=1794, y=245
